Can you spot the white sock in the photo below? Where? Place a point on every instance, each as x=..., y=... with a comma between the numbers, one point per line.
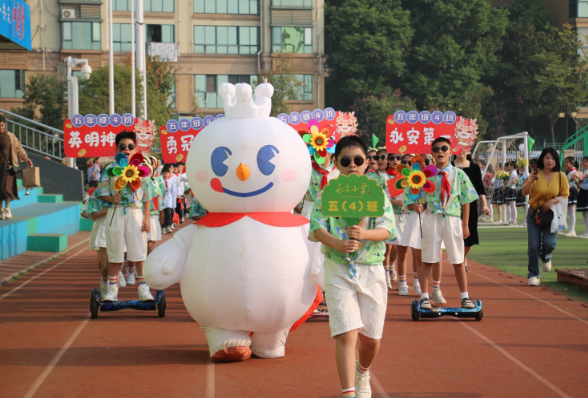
x=464, y=295
x=585, y=215
x=572, y=214
x=424, y=295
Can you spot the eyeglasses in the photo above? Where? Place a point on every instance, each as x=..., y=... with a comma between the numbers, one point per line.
x=407, y=162
x=379, y=158
x=370, y=157
x=123, y=147
x=444, y=149
x=346, y=161
x=392, y=158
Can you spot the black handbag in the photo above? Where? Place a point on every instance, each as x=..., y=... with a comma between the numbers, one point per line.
x=542, y=218
x=12, y=170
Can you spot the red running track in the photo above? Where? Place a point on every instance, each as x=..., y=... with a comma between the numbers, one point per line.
x=532, y=342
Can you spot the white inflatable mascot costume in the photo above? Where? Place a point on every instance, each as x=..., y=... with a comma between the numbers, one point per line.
x=244, y=269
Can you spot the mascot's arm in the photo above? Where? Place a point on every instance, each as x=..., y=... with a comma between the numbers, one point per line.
x=165, y=265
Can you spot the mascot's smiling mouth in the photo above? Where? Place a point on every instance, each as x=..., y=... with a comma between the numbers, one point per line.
x=217, y=186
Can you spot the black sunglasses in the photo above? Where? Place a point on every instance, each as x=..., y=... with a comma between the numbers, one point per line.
x=379, y=158
x=346, y=161
x=370, y=157
x=444, y=149
x=392, y=158
x=123, y=147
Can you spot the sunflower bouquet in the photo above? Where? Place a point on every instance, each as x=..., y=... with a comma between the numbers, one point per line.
x=503, y=176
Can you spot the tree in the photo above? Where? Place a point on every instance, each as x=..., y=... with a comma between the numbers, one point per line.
x=512, y=105
x=94, y=94
x=365, y=41
x=372, y=111
x=453, y=48
x=44, y=101
x=468, y=105
x=286, y=85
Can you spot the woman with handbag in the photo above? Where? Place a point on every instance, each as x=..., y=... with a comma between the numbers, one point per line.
x=12, y=152
x=546, y=187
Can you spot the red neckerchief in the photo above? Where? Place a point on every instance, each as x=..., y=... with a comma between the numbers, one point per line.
x=445, y=188
x=392, y=172
x=278, y=219
x=570, y=170
x=323, y=172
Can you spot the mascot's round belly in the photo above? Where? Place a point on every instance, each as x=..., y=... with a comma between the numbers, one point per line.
x=248, y=276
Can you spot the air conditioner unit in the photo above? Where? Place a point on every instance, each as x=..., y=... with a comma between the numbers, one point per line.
x=68, y=13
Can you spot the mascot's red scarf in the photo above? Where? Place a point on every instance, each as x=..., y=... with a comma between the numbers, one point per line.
x=277, y=219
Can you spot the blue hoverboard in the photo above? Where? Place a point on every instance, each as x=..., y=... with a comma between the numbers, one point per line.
x=416, y=312
x=96, y=303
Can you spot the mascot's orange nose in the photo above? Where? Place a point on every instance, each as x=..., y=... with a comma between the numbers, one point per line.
x=243, y=172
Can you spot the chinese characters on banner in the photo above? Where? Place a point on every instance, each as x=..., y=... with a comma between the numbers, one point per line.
x=176, y=136
x=353, y=198
x=340, y=123
x=94, y=136
x=15, y=16
x=413, y=132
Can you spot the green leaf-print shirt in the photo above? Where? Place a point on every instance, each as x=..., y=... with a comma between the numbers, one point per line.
x=462, y=192
x=370, y=253
x=314, y=188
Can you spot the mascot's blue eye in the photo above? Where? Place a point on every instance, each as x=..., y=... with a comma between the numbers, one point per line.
x=218, y=157
x=265, y=154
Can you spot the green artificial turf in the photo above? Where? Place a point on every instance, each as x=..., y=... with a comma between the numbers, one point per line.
x=506, y=249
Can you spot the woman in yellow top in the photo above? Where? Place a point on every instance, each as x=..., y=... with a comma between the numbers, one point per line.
x=544, y=186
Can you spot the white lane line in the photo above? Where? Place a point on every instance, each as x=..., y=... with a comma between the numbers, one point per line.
x=210, y=379
x=379, y=388
x=42, y=273
x=39, y=381
x=516, y=361
x=7, y=278
x=531, y=296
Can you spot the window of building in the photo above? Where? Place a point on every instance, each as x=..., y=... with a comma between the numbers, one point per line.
x=160, y=34
x=291, y=3
x=121, y=38
x=578, y=9
x=81, y=36
x=306, y=89
x=226, y=6
x=226, y=39
x=148, y=5
x=292, y=40
x=206, y=88
x=12, y=82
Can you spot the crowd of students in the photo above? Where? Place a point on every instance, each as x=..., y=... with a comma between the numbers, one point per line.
x=360, y=263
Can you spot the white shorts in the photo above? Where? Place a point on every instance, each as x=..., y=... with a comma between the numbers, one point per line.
x=411, y=236
x=438, y=231
x=98, y=235
x=358, y=303
x=125, y=231
x=154, y=229
x=400, y=220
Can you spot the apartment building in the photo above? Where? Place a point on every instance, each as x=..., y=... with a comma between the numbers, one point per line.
x=208, y=41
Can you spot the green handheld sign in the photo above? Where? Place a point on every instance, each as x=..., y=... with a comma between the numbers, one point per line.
x=353, y=198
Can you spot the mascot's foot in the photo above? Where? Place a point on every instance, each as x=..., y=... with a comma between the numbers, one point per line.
x=269, y=345
x=235, y=353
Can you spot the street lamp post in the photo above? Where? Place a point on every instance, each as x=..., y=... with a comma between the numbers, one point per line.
x=72, y=90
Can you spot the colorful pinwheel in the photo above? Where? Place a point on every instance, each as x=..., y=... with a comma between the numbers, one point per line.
x=128, y=172
x=417, y=179
x=319, y=143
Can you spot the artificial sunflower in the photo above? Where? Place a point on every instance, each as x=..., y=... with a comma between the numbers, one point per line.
x=318, y=141
x=128, y=172
x=416, y=179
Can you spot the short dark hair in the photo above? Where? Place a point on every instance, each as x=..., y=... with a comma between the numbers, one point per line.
x=382, y=150
x=126, y=135
x=165, y=169
x=350, y=141
x=572, y=161
x=439, y=140
x=2, y=119
x=553, y=152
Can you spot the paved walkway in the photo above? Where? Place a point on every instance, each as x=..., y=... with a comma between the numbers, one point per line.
x=532, y=342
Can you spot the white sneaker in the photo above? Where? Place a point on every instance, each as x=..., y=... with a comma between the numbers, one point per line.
x=111, y=293
x=437, y=297
x=103, y=287
x=571, y=234
x=417, y=288
x=403, y=290
x=388, y=281
x=584, y=236
x=121, y=279
x=131, y=278
x=363, y=388
x=393, y=273
x=533, y=281
x=144, y=294
x=8, y=214
x=546, y=266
